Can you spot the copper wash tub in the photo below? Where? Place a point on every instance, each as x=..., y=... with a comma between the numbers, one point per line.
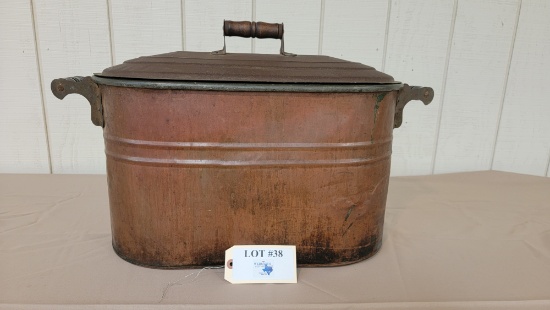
x=210, y=150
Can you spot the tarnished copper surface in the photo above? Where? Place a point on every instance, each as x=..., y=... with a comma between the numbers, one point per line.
x=256, y=68
x=192, y=173
x=210, y=150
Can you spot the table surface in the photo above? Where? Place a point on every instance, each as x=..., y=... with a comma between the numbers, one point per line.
x=455, y=241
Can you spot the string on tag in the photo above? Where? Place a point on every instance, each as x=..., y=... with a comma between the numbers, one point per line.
x=178, y=282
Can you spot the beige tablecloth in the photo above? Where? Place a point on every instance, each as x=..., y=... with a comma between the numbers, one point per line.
x=456, y=241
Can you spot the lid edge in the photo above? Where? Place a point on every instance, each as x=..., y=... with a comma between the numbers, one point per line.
x=247, y=86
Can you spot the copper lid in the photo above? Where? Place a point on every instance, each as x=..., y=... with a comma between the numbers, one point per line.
x=220, y=66
x=204, y=66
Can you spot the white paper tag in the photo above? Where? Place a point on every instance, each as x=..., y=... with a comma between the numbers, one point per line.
x=261, y=264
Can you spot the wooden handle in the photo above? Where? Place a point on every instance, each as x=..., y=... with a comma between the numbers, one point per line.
x=248, y=29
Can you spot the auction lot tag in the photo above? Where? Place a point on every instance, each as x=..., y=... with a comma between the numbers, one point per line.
x=261, y=264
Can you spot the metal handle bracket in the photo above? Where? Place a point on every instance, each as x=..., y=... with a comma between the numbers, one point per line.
x=84, y=86
x=408, y=93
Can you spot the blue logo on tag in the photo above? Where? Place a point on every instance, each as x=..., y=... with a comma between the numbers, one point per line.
x=264, y=268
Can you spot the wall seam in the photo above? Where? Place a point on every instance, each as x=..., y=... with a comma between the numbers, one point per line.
x=505, y=86
x=548, y=165
x=444, y=84
x=321, y=28
x=386, y=36
x=183, y=25
x=111, y=34
x=40, y=82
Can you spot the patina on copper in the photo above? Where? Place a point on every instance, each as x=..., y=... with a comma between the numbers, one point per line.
x=253, y=149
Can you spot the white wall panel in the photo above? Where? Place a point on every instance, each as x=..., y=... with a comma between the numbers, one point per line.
x=204, y=22
x=523, y=143
x=302, y=23
x=419, y=34
x=143, y=28
x=355, y=31
x=476, y=77
x=23, y=143
x=73, y=39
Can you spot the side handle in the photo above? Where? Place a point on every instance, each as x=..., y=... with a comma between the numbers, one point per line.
x=408, y=93
x=84, y=86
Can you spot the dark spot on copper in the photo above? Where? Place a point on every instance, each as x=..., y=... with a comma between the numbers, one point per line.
x=349, y=212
